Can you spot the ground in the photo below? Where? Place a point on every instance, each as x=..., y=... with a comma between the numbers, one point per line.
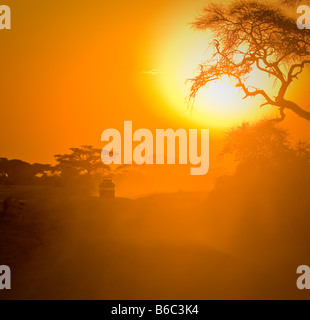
x=73, y=245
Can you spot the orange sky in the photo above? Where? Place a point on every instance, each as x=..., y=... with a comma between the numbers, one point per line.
x=71, y=69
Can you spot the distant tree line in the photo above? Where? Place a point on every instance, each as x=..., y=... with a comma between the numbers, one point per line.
x=82, y=165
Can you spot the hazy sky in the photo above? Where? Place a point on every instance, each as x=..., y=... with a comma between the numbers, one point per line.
x=71, y=69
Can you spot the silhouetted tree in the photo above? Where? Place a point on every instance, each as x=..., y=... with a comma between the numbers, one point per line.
x=253, y=36
x=85, y=160
x=261, y=145
x=20, y=172
x=262, y=210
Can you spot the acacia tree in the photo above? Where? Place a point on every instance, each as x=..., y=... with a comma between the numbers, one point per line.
x=248, y=36
x=85, y=160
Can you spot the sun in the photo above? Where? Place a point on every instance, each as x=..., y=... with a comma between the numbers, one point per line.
x=177, y=54
x=220, y=104
x=221, y=98
x=223, y=93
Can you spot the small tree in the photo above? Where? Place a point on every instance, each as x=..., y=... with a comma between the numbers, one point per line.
x=248, y=36
x=85, y=160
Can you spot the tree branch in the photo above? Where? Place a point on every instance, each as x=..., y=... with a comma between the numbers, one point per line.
x=291, y=74
x=249, y=93
x=254, y=35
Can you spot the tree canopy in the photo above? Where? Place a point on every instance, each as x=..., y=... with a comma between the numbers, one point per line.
x=266, y=145
x=248, y=36
x=83, y=160
x=20, y=172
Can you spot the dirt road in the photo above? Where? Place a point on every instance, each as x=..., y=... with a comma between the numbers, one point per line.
x=150, y=248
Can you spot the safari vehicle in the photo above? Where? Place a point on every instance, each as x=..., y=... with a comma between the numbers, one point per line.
x=107, y=189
